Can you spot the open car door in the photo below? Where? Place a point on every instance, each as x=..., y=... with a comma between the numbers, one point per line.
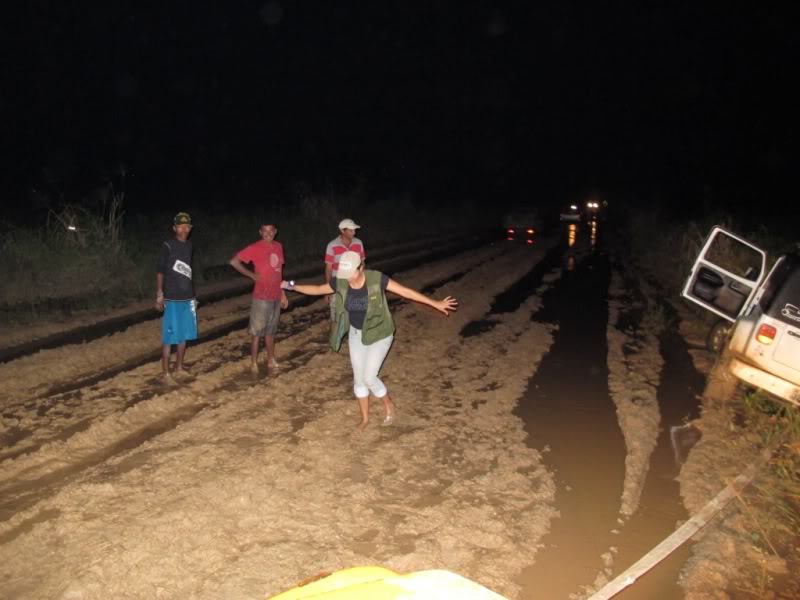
x=726, y=275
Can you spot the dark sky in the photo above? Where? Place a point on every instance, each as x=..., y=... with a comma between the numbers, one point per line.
x=458, y=100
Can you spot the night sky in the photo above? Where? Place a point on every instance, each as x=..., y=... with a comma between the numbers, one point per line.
x=453, y=101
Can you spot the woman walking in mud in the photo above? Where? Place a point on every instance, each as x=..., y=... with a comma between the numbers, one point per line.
x=361, y=311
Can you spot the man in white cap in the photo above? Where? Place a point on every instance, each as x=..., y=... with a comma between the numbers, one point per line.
x=346, y=241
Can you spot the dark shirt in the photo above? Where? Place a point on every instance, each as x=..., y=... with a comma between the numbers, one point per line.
x=175, y=263
x=357, y=301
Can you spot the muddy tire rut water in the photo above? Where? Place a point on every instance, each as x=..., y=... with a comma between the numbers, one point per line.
x=239, y=486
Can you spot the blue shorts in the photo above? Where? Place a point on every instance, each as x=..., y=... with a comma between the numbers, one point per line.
x=179, y=323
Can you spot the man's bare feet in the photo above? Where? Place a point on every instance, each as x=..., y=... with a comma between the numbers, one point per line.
x=362, y=426
x=254, y=368
x=272, y=363
x=181, y=374
x=168, y=379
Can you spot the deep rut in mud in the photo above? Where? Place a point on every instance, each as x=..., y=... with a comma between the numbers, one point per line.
x=568, y=411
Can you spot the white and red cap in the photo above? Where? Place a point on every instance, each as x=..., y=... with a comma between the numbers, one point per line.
x=348, y=224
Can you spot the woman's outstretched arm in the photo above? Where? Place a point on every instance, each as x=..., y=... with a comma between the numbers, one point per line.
x=309, y=290
x=443, y=306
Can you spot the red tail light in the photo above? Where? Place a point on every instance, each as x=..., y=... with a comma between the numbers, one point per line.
x=530, y=231
x=511, y=231
x=766, y=334
x=530, y=242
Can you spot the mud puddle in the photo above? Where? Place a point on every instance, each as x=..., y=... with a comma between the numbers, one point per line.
x=569, y=414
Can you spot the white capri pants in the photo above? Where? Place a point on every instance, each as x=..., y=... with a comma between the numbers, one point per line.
x=367, y=362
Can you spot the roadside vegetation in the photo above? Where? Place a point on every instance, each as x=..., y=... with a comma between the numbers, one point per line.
x=99, y=258
x=770, y=507
x=779, y=427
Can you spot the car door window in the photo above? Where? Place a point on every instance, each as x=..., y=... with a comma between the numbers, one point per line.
x=726, y=274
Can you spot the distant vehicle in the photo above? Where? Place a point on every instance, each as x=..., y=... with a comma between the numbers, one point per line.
x=759, y=315
x=570, y=213
x=522, y=225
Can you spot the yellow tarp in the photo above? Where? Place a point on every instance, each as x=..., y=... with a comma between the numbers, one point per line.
x=377, y=583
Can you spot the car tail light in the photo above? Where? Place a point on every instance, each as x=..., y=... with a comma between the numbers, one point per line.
x=511, y=231
x=530, y=242
x=766, y=334
x=530, y=231
x=509, y=239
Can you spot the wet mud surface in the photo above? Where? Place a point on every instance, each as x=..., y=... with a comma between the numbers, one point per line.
x=238, y=486
x=539, y=433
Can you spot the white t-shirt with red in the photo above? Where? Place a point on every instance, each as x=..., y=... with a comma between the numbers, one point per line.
x=267, y=259
x=336, y=248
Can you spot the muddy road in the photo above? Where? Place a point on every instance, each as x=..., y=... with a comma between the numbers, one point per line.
x=530, y=452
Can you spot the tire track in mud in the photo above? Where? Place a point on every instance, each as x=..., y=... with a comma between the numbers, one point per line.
x=279, y=479
x=511, y=299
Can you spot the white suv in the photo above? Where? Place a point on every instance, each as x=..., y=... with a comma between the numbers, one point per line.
x=729, y=279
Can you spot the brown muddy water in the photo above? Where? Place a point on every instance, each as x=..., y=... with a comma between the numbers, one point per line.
x=570, y=415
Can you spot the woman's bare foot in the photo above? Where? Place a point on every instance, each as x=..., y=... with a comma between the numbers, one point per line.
x=388, y=407
x=362, y=426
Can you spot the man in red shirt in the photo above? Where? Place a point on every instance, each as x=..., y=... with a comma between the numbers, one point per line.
x=266, y=255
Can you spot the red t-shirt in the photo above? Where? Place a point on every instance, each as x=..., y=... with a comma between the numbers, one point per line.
x=267, y=260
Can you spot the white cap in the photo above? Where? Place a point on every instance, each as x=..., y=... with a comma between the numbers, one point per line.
x=348, y=224
x=348, y=265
